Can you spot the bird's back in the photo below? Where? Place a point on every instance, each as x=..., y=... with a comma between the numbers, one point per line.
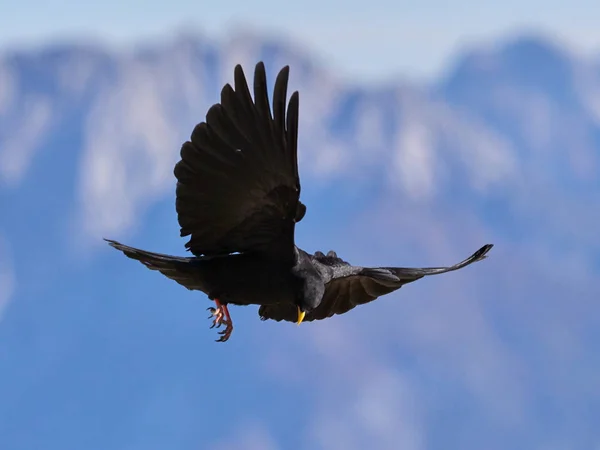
x=332, y=266
x=330, y=259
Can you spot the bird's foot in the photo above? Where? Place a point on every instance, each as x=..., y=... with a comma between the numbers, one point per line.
x=217, y=315
x=221, y=317
x=226, y=333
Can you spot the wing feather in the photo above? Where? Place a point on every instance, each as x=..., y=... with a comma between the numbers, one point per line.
x=238, y=186
x=361, y=286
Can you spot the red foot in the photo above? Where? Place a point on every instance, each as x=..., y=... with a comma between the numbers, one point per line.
x=221, y=316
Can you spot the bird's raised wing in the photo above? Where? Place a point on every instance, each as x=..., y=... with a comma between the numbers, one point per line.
x=238, y=187
x=360, y=286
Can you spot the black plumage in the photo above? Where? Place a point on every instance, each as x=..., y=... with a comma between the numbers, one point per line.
x=238, y=199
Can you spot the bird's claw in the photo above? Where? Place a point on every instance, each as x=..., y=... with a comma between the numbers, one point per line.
x=226, y=333
x=219, y=319
x=217, y=315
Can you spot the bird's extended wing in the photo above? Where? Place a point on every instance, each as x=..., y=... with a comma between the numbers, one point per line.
x=238, y=187
x=363, y=285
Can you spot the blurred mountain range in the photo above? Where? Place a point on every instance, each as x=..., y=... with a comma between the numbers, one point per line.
x=505, y=123
x=503, y=148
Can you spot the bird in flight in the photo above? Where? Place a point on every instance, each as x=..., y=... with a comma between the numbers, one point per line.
x=238, y=198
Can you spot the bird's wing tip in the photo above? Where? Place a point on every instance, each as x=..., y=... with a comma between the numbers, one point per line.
x=482, y=253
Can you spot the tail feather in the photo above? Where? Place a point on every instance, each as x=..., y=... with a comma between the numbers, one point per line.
x=180, y=269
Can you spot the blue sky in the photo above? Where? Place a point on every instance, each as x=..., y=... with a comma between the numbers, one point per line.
x=366, y=40
x=97, y=352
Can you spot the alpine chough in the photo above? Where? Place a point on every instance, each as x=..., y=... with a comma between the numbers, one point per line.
x=238, y=198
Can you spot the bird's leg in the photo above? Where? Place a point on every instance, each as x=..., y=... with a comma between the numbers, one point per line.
x=217, y=313
x=226, y=333
x=221, y=316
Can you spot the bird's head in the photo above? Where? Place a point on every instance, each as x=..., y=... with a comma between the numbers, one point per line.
x=309, y=295
x=310, y=287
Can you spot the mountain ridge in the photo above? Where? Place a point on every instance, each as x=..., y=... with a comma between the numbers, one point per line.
x=97, y=352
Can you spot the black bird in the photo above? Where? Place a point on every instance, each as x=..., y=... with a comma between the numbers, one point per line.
x=238, y=198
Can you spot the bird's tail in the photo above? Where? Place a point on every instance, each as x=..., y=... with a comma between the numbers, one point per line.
x=176, y=268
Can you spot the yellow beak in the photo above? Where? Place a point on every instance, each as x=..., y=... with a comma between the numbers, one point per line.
x=301, y=315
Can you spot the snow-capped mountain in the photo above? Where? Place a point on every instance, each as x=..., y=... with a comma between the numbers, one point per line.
x=97, y=352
